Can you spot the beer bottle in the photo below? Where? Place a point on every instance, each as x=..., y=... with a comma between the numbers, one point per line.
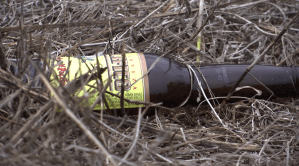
x=169, y=81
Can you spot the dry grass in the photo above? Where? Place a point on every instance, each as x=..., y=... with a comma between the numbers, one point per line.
x=254, y=132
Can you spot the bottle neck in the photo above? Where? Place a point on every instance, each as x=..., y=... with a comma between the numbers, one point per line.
x=281, y=81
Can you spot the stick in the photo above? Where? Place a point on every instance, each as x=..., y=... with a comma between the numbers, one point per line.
x=199, y=24
x=123, y=56
x=65, y=25
x=3, y=64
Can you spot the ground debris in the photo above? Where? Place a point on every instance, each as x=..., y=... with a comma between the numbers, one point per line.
x=37, y=129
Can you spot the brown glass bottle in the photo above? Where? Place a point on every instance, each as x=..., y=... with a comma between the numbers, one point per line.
x=170, y=81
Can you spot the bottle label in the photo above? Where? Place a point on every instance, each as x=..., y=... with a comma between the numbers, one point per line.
x=136, y=87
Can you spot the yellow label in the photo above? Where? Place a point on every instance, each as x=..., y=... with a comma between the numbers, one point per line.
x=135, y=67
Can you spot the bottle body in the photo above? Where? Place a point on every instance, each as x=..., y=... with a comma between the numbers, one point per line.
x=135, y=86
x=168, y=81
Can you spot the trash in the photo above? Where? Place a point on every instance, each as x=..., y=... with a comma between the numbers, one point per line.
x=168, y=81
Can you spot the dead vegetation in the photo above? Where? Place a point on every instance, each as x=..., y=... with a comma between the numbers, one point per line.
x=253, y=132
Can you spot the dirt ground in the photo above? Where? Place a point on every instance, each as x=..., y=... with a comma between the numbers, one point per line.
x=40, y=129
